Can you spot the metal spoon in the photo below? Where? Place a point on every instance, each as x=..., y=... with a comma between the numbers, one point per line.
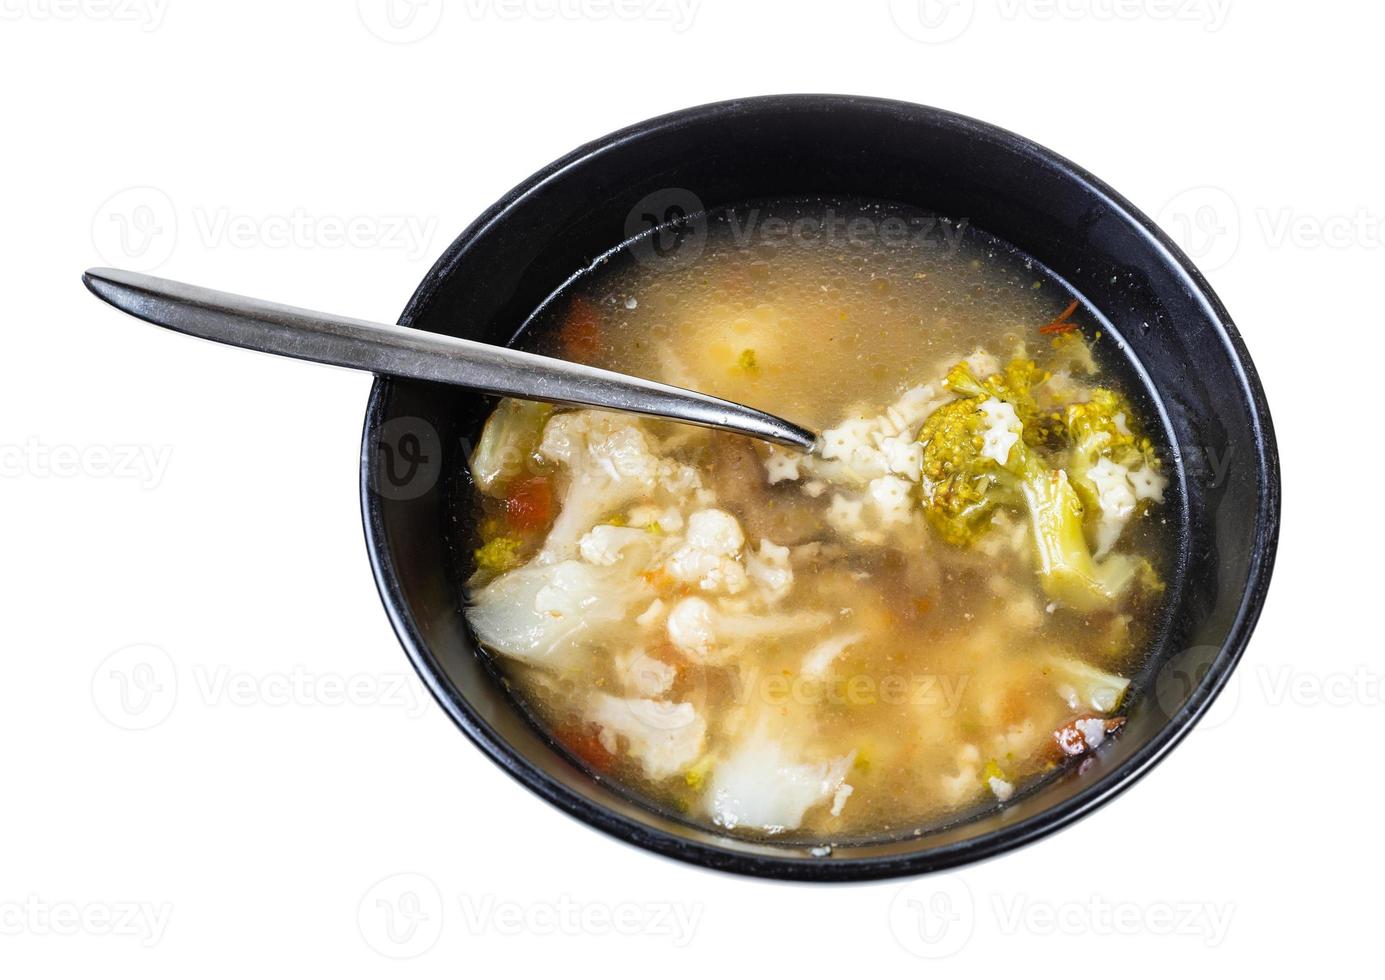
x=404, y=352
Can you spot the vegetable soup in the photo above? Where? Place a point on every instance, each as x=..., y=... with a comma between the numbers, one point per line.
x=918, y=621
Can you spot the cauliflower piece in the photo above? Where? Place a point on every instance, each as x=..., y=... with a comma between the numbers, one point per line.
x=692, y=629
x=1003, y=428
x=957, y=789
x=761, y=786
x=609, y=464
x=645, y=676
x=819, y=659
x=606, y=543
x=1001, y=787
x=704, y=633
x=711, y=573
x=679, y=479
x=715, y=531
x=652, y=616
x=665, y=520
x=1018, y=742
x=537, y=613
x=665, y=737
x=707, y=555
x=770, y=570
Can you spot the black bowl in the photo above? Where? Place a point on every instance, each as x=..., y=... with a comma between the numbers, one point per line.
x=1225, y=486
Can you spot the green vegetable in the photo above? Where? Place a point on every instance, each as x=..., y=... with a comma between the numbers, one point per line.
x=696, y=775
x=1071, y=353
x=962, y=487
x=1101, y=427
x=499, y=555
x=1066, y=568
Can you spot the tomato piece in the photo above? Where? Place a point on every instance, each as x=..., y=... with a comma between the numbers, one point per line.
x=529, y=504
x=584, y=743
x=581, y=331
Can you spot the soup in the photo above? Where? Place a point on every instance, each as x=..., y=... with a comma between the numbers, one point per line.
x=919, y=621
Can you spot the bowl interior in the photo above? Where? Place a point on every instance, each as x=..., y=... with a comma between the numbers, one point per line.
x=556, y=224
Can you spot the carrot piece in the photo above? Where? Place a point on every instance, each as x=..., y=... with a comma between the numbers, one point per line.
x=581, y=330
x=1060, y=324
x=529, y=504
x=584, y=743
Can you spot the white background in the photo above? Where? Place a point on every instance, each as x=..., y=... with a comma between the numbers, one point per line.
x=198, y=504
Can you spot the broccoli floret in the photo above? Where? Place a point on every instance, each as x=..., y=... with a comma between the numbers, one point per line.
x=1102, y=427
x=1071, y=353
x=1013, y=384
x=966, y=451
x=1114, y=469
x=969, y=470
x=1066, y=567
x=1101, y=424
x=499, y=555
x=960, y=486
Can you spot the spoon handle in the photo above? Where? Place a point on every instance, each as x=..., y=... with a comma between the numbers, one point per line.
x=404, y=352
